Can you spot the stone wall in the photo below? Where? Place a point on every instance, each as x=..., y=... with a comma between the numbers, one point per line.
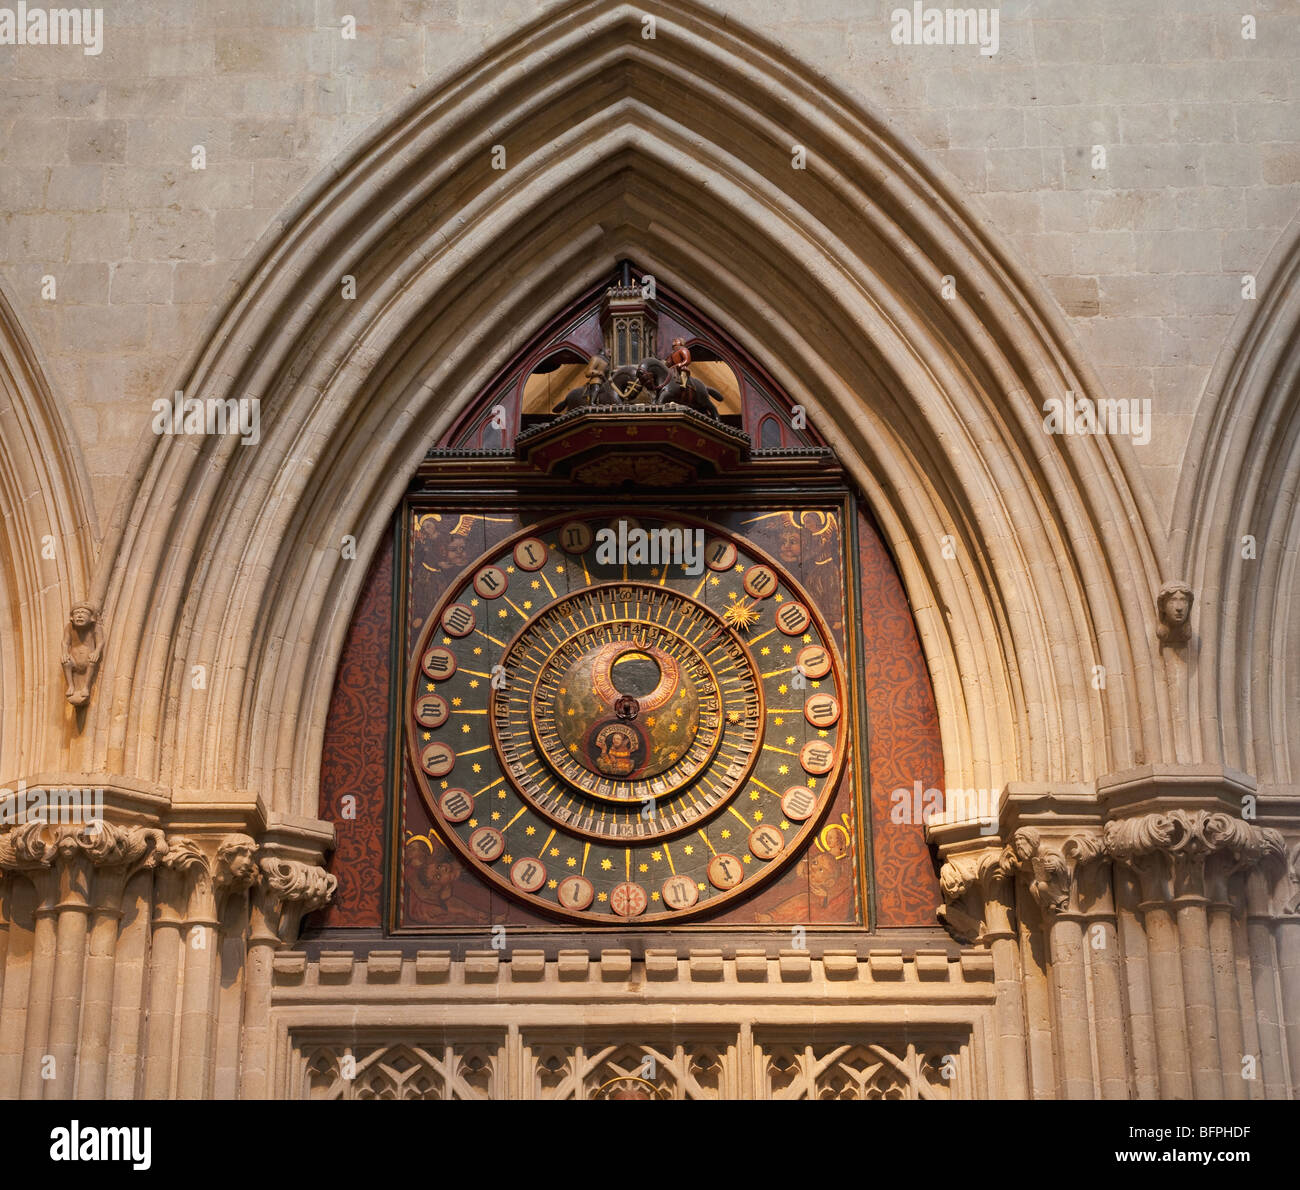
x=1201, y=130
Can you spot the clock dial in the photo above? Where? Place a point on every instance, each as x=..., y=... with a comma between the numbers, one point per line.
x=643, y=707
x=624, y=719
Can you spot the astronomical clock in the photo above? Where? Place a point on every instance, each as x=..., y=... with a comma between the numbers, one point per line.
x=636, y=659
x=616, y=716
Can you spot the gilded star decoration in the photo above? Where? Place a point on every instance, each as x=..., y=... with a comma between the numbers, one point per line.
x=741, y=615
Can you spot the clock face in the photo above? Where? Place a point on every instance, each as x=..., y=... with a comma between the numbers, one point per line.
x=626, y=719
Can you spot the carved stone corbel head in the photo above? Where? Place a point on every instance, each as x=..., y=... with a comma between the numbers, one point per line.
x=236, y=869
x=1174, y=608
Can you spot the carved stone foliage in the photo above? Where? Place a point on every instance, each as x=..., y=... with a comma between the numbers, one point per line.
x=118, y=852
x=976, y=886
x=285, y=890
x=1188, y=853
x=195, y=879
x=968, y=883
x=25, y=848
x=402, y=1070
x=1060, y=879
x=861, y=1071
x=129, y=848
x=1176, y=854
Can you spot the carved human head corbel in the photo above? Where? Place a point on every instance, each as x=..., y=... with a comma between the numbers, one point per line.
x=1174, y=607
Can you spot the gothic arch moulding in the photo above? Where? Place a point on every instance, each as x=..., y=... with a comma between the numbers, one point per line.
x=659, y=150
x=1236, y=534
x=47, y=544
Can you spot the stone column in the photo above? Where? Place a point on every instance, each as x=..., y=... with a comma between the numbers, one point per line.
x=130, y=1012
x=6, y=909
x=181, y=869
x=1047, y=878
x=1091, y=889
x=26, y=851
x=979, y=898
x=1266, y=898
x=116, y=854
x=1044, y=1066
x=1137, y=980
x=232, y=872
x=1179, y=858
x=13, y=1004
x=72, y=873
x=286, y=889
x=237, y=872
x=1143, y=845
x=1233, y=845
x=1287, y=935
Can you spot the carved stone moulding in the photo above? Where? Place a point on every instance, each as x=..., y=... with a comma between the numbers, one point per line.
x=656, y=446
x=1161, y=788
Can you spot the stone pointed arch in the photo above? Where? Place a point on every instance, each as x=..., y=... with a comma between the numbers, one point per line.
x=676, y=152
x=47, y=551
x=1241, y=479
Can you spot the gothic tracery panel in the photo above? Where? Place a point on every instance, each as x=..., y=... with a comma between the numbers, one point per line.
x=862, y=1070
x=667, y=1069
x=401, y=1070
